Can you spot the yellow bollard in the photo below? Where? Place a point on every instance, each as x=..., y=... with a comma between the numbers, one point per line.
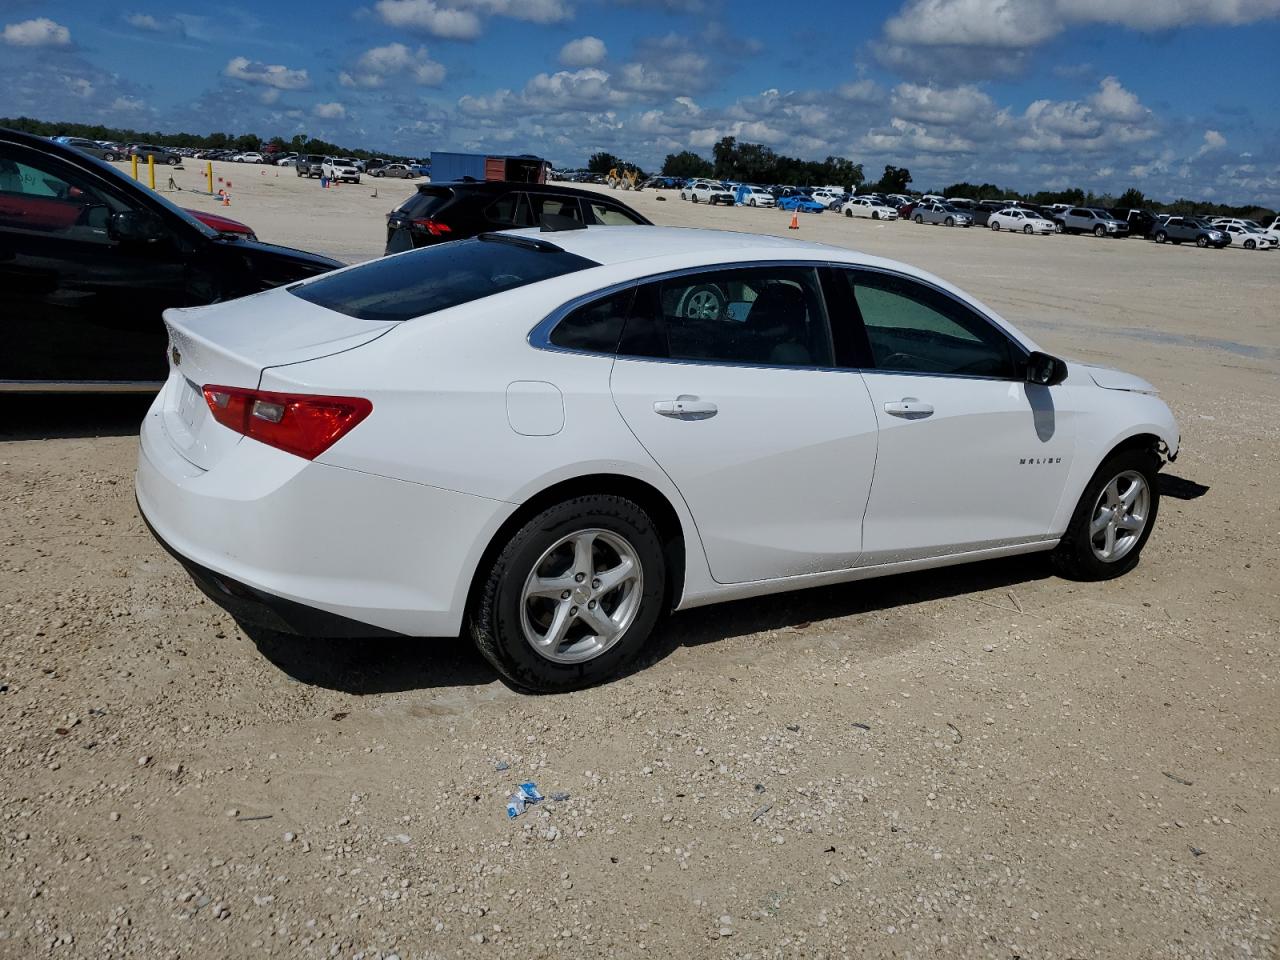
x=209, y=174
x=134, y=159
x=151, y=170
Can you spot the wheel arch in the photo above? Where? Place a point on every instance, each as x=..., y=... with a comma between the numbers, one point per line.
x=676, y=540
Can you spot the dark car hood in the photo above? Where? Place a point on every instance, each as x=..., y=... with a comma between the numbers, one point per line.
x=258, y=251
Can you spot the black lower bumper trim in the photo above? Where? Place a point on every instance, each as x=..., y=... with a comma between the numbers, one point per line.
x=256, y=608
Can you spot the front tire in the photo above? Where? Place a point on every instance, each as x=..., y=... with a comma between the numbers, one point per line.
x=1249, y=245
x=1099, y=232
x=918, y=219
x=1161, y=237
x=849, y=214
x=995, y=226
x=1113, y=520
x=949, y=222
x=573, y=596
x=1028, y=229
x=1202, y=242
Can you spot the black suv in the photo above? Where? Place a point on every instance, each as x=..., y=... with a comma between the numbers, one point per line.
x=88, y=261
x=455, y=211
x=1140, y=221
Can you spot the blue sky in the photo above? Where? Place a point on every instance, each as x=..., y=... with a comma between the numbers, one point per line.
x=1173, y=96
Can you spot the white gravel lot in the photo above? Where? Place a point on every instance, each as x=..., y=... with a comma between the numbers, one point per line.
x=970, y=762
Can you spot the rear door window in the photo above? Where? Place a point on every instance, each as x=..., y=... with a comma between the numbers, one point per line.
x=425, y=203
x=772, y=316
x=435, y=278
x=510, y=210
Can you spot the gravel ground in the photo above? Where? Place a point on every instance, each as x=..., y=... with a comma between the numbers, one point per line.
x=970, y=762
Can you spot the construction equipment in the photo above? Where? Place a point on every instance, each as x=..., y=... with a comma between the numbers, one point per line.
x=628, y=178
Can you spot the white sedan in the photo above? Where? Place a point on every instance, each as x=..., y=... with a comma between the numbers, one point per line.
x=866, y=207
x=1246, y=236
x=758, y=197
x=1017, y=220
x=549, y=440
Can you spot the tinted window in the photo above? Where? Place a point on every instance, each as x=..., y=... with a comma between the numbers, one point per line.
x=595, y=327
x=436, y=278
x=426, y=202
x=511, y=209
x=609, y=216
x=765, y=315
x=554, y=206
x=42, y=197
x=913, y=328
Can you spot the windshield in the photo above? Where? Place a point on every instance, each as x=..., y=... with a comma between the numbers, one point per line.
x=435, y=278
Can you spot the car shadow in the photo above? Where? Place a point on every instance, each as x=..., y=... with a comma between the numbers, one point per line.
x=53, y=416
x=376, y=665
x=745, y=617
x=1179, y=488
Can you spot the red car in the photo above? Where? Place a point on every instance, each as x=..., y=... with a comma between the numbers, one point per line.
x=224, y=225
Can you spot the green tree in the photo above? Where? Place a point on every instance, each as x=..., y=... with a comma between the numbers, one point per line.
x=687, y=165
x=1132, y=199
x=895, y=180
x=602, y=162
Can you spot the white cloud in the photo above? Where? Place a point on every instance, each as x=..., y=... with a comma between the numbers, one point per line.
x=40, y=32
x=426, y=16
x=330, y=111
x=375, y=66
x=144, y=21
x=583, y=52
x=1018, y=24
x=1213, y=140
x=266, y=74
x=461, y=19
x=930, y=104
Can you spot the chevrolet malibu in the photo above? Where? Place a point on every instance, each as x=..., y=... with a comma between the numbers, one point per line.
x=550, y=440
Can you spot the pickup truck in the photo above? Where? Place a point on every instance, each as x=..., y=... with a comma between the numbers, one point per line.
x=1090, y=220
x=1192, y=229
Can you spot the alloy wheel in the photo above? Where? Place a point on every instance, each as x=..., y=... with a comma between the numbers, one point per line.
x=1120, y=516
x=582, y=596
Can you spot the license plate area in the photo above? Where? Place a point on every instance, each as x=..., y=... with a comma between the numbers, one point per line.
x=191, y=405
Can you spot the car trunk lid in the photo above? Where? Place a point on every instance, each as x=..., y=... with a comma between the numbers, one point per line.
x=231, y=344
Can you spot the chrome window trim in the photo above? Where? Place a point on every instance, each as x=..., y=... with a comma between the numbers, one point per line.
x=540, y=336
x=80, y=386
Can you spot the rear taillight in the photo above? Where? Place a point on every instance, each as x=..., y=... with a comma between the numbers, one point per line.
x=432, y=227
x=303, y=424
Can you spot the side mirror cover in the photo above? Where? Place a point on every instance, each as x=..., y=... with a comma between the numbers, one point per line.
x=133, y=226
x=1045, y=370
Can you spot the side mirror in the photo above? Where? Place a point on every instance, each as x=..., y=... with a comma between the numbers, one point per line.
x=1045, y=370
x=135, y=226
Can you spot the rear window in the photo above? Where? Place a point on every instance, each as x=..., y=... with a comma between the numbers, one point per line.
x=438, y=277
x=426, y=202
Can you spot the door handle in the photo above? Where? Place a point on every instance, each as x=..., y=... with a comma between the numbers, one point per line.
x=909, y=408
x=686, y=407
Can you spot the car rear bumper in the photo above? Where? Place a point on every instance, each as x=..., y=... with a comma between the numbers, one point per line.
x=317, y=549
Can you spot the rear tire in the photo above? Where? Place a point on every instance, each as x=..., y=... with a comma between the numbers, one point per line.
x=506, y=618
x=1080, y=555
x=849, y=214
x=1161, y=237
x=918, y=219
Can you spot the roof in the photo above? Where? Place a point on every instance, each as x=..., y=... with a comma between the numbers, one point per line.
x=614, y=245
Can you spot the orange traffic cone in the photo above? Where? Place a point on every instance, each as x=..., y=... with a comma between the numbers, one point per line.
x=795, y=220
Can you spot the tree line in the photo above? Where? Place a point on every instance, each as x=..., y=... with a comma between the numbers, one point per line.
x=241, y=143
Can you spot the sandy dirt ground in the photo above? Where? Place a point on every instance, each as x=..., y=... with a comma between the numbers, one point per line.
x=972, y=762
